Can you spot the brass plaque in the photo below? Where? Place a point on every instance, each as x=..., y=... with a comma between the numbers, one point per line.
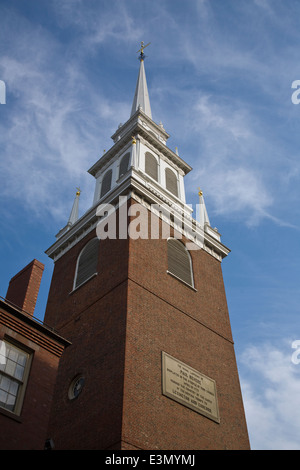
x=189, y=387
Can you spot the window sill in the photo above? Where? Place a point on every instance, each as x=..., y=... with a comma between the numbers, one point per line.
x=183, y=282
x=123, y=177
x=10, y=415
x=83, y=283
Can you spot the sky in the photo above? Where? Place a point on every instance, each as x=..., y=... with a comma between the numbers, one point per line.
x=220, y=76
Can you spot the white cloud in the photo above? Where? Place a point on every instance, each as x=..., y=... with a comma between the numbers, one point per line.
x=57, y=126
x=63, y=120
x=99, y=24
x=271, y=390
x=229, y=168
x=239, y=191
x=44, y=138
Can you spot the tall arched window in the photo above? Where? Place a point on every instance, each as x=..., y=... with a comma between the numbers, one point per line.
x=179, y=261
x=171, y=182
x=151, y=166
x=124, y=164
x=106, y=183
x=87, y=262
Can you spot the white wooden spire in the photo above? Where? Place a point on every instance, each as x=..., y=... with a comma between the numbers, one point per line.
x=141, y=96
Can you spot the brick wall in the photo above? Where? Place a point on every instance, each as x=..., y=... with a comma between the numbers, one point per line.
x=28, y=431
x=24, y=287
x=119, y=323
x=192, y=325
x=93, y=318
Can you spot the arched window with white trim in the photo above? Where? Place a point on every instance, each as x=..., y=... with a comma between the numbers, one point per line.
x=151, y=166
x=106, y=183
x=171, y=182
x=124, y=165
x=179, y=261
x=87, y=262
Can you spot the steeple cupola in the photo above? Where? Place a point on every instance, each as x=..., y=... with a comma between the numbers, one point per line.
x=151, y=163
x=141, y=166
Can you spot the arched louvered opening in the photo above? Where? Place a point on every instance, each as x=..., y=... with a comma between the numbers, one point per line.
x=171, y=182
x=151, y=166
x=124, y=164
x=179, y=261
x=87, y=262
x=106, y=183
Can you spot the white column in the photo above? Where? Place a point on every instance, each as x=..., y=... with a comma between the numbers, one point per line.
x=97, y=188
x=133, y=163
x=181, y=188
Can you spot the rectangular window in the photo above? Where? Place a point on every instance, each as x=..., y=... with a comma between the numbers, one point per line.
x=14, y=367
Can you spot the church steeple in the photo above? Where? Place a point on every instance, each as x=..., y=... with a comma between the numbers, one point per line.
x=137, y=290
x=140, y=165
x=141, y=96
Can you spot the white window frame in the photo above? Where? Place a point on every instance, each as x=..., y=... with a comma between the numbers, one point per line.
x=192, y=285
x=77, y=265
x=21, y=382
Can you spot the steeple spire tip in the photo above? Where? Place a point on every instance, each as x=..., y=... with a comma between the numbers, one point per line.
x=141, y=96
x=141, y=50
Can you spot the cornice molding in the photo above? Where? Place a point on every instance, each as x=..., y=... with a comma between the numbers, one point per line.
x=147, y=195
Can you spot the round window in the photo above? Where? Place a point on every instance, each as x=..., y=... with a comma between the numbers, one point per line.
x=76, y=387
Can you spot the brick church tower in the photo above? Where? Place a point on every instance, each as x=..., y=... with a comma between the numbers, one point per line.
x=137, y=289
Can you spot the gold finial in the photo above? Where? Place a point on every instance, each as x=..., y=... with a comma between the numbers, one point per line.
x=200, y=193
x=133, y=139
x=141, y=50
x=78, y=192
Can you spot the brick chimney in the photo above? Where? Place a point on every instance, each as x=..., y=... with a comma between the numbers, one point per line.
x=24, y=287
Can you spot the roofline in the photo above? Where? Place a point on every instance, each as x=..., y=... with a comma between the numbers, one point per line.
x=33, y=322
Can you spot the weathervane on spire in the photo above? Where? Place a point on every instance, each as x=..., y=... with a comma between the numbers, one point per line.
x=141, y=50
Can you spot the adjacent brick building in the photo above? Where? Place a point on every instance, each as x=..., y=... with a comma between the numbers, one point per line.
x=29, y=357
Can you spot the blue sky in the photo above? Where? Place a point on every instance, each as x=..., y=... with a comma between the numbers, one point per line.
x=220, y=76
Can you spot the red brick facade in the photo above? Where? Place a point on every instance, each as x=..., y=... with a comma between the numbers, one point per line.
x=119, y=323
x=27, y=430
x=24, y=287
